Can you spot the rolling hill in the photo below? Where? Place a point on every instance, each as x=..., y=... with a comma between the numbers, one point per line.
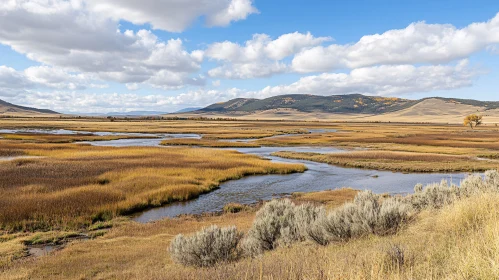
x=354, y=107
x=7, y=108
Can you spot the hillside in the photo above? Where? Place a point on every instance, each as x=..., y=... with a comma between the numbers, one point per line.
x=354, y=103
x=354, y=107
x=7, y=108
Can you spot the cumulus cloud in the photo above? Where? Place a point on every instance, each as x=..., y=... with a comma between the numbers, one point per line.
x=259, y=57
x=84, y=102
x=381, y=80
x=12, y=79
x=66, y=35
x=44, y=76
x=174, y=15
x=417, y=43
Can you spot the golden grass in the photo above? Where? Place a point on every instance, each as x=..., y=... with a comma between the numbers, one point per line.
x=66, y=138
x=207, y=143
x=397, y=161
x=208, y=128
x=457, y=242
x=75, y=186
x=331, y=198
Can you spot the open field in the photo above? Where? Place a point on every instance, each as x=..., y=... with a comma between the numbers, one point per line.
x=73, y=185
x=398, y=161
x=208, y=143
x=115, y=254
x=66, y=138
x=74, y=195
x=208, y=128
x=458, y=241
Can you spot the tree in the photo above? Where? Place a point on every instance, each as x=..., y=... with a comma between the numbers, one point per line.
x=473, y=119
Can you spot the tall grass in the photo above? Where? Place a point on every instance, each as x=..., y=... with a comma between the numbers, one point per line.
x=397, y=161
x=280, y=223
x=83, y=184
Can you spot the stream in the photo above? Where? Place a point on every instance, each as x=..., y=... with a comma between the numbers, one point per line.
x=252, y=189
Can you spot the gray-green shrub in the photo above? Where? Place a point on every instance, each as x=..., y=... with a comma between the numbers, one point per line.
x=366, y=215
x=207, y=247
x=280, y=223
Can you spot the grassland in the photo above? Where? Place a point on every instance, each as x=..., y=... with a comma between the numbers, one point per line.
x=75, y=189
x=456, y=242
x=67, y=138
x=129, y=250
x=75, y=185
x=207, y=143
x=210, y=129
x=398, y=161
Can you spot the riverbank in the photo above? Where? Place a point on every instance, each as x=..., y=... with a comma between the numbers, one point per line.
x=398, y=161
x=123, y=243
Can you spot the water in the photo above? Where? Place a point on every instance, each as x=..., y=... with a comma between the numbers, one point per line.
x=40, y=251
x=318, y=177
x=17, y=157
x=145, y=142
x=248, y=190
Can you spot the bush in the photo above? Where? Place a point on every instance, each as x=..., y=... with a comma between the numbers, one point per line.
x=392, y=214
x=366, y=215
x=207, y=247
x=280, y=223
x=434, y=196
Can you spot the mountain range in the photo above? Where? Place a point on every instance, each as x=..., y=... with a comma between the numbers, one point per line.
x=7, y=108
x=352, y=107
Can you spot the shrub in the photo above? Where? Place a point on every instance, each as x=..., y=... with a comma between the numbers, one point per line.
x=366, y=215
x=280, y=223
x=207, y=247
x=434, y=196
x=392, y=214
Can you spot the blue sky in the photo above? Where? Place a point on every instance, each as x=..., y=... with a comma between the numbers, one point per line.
x=69, y=56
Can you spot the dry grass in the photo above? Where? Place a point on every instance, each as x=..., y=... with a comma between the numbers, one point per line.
x=66, y=138
x=208, y=128
x=207, y=143
x=397, y=161
x=457, y=242
x=81, y=184
x=331, y=198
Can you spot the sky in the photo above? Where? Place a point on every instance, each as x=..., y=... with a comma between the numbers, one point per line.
x=99, y=56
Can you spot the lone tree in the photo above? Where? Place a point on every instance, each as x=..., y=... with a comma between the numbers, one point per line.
x=473, y=119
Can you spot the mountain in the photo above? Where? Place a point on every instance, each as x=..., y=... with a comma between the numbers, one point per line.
x=7, y=108
x=353, y=103
x=353, y=107
x=190, y=109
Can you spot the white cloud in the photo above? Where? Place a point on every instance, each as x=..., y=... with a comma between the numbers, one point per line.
x=174, y=15
x=12, y=79
x=65, y=35
x=216, y=83
x=132, y=86
x=378, y=80
x=260, y=56
x=381, y=80
x=83, y=102
x=44, y=76
x=418, y=43
x=60, y=79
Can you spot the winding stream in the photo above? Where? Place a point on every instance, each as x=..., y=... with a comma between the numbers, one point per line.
x=248, y=190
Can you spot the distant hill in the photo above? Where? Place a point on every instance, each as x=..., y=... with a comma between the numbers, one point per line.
x=7, y=108
x=352, y=107
x=353, y=103
x=343, y=104
x=190, y=109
